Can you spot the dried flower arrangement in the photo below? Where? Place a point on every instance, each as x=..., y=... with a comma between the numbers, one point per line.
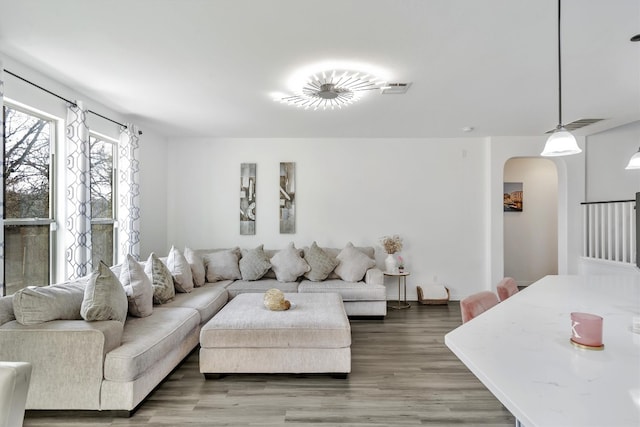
x=391, y=244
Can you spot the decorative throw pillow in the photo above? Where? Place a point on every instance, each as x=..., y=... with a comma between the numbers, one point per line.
x=161, y=280
x=197, y=266
x=137, y=286
x=223, y=265
x=288, y=264
x=321, y=263
x=353, y=264
x=254, y=264
x=104, y=297
x=180, y=270
x=33, y=305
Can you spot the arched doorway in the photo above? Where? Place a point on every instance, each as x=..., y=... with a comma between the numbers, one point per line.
x=531, y=235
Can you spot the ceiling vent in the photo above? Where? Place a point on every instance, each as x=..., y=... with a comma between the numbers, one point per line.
x=395, y=88
x=578, y=124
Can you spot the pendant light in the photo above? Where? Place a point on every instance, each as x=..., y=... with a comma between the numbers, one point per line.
x=561, y=142
x=634, y=162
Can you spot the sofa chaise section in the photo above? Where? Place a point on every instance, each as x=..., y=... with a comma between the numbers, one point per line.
x=151, y=348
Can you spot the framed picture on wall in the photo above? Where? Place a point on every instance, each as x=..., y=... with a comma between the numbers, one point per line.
x=512, y=198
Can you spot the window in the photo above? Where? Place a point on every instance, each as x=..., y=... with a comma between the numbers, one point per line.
x=28, y=207
x=102, y=171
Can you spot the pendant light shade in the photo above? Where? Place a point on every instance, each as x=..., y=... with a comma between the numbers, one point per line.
x=634, y=162
x=561, y=143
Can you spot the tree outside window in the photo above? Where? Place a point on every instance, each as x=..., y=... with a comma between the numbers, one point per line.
x=27, y=198
x=102, y=195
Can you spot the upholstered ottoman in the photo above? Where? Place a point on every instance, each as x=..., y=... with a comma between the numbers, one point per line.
x=313, y=336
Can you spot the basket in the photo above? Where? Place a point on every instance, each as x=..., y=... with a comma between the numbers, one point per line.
x=430, y=301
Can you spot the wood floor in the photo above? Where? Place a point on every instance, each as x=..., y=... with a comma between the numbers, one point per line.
x=402, y=375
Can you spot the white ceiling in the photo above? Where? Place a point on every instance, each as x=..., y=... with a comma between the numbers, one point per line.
x=208, y=67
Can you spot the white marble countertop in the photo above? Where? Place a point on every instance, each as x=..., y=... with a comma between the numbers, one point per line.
x=520, y=350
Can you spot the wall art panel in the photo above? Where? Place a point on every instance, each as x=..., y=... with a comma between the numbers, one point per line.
x=247, y=198
x=287, y=198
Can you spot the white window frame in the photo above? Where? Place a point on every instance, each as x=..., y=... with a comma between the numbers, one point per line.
x=54, y=132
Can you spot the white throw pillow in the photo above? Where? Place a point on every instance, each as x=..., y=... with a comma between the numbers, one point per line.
x=288, y=264
x=137, y=286
x=197, y=266
x=223, y=265
x=180, y=270
x=353, y=264
x=161, y=280
x=33, y=304
x=104, y=297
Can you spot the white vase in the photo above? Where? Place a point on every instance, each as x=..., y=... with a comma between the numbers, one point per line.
x=390, y=264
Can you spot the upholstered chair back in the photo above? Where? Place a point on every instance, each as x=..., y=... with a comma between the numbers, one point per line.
x=506, y=288
x=476, y=304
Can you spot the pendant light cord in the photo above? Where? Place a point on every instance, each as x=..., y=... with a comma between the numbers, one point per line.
x=559, y=71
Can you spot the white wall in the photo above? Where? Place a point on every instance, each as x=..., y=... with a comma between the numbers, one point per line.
x=430, y=192
x=153, y=195
x=607, y=156
x=570, y=171
x=531, y=236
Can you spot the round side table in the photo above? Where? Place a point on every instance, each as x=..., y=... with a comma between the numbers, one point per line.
x=402, y=280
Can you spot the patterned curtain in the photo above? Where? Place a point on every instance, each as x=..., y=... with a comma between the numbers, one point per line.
x=2, y=180
x=129, y=194
x=78, y=204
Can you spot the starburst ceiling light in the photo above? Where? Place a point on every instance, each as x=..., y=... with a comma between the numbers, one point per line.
x=332, y=89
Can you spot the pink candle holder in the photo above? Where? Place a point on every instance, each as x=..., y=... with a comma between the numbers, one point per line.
x=586, y=331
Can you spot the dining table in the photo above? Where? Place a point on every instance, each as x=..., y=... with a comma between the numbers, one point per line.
x=521, y=350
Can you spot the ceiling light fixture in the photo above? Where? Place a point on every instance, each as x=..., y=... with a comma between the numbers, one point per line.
x=561, y=142
x=634, y=162
x=332, y=89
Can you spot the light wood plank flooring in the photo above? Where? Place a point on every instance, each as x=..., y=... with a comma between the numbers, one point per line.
x=402, y=374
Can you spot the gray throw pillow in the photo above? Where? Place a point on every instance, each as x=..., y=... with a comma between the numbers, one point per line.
x=321, y=263
x=223, y=265
x=104, y=297
x=288, y=264
x=197, y=266
x=33, y=305
x=161, y=280
x=137, y=286
x=353, y=264
x=180, y=270
x=254, y=264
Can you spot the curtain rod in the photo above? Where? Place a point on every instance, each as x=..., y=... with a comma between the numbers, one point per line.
x=65, y=99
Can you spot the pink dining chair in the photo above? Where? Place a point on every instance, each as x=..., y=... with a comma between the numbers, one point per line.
x=476, y=304
x=506, y=288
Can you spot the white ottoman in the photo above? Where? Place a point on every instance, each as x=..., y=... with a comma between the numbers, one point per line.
x=313, y=336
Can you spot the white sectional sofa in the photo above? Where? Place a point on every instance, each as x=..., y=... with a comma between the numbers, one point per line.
x=114, y=365
x=106, y=365
x=366, y=297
